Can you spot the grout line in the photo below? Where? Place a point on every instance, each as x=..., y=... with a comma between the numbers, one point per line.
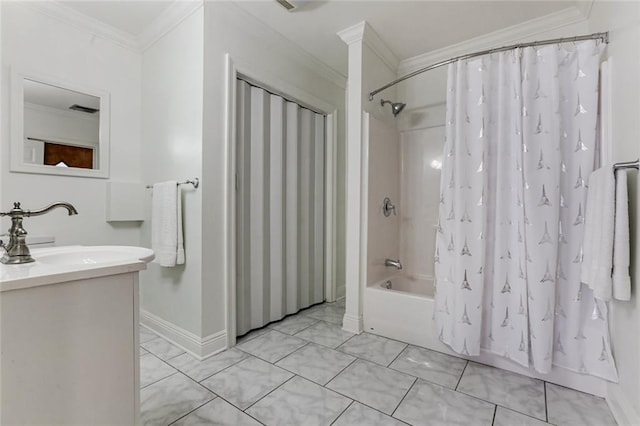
x=238, y=408
x=398, y=356
x=546, y=409
x=342, y=412
x=405, y=395
x=159, y=380
x=460, y=378
x=271, y=391
x=290, y=353
x=161, y=360
x=339, y=372
x=495, y=411
x=297, y=331
x=227, y=367
x=197, y=408
x=498, y=405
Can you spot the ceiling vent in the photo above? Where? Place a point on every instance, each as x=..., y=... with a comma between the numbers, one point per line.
x=81, y=108
x=292, y=5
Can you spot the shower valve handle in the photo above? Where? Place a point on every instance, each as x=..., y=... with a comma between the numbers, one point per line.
x=388, y=207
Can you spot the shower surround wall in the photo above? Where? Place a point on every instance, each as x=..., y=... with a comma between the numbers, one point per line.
x=384, y=181
x=421, y=158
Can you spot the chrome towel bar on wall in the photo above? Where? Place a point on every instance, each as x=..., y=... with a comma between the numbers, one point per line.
x=195, y=182
x=626, y=165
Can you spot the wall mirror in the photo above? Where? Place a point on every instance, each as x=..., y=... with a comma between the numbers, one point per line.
x=58, y=128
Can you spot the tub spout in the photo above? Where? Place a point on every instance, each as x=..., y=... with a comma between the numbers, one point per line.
x=395, y=263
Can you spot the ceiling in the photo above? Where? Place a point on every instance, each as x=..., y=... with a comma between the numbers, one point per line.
x=409, y=28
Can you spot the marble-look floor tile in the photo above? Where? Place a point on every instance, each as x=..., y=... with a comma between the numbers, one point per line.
x=146, y=334
x=433, y=405
x=506, y=417
x=162, y=349
x=217, y=413
x=325, y=334
x=171, y=398
x=373, y=385
x=327, y=312
x=252, y=335
x=272, y=346
x=373, y=348
x=316, y=363
x=299, y=402
x=510, y=390
x=142, y=351
x=152, y=369
x=246, y=382
x=430, y=365
x=293, y=324
x=570, y=407
x=200, y=370
x=361, y=415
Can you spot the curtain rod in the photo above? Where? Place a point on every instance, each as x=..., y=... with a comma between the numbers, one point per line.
x=595, y=36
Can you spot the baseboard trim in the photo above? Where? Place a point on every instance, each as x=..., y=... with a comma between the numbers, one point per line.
x=200, y=347
x=352, y=324
x=623, y=410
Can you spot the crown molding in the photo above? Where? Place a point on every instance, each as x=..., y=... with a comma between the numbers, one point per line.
x=353, y=34
x=170, y=18
x=165, y=22
x=585, y=7
x=379, y=47
x=72, y=17
x=363, y=32
x=503, y=36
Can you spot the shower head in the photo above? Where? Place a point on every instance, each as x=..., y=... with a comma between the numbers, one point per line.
x=396, y=107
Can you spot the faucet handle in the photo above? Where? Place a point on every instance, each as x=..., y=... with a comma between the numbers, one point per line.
x=388, y=207
x=16, y=205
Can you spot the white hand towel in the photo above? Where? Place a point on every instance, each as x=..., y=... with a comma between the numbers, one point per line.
x=599, y=228
x=621, y=279
x=166, y=224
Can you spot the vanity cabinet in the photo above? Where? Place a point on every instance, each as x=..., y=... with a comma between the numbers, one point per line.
x=69, y=349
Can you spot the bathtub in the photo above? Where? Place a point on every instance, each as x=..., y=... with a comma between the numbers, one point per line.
x=401, y=308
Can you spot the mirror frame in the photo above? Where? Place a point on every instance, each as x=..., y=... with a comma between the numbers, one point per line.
x=17, y=128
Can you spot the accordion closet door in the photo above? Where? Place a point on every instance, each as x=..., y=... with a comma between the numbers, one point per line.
x=280, y=156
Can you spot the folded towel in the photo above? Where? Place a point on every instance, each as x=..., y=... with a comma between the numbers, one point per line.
x=599, y=230
x=621, y=279
x=166, y=224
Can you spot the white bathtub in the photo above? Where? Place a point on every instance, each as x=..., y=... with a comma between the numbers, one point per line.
x=403, y=312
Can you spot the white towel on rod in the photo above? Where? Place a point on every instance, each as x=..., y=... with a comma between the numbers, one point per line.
x=621, y=278
x=597, y=260
x=166, y=224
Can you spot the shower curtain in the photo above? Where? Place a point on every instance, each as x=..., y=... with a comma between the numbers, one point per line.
x=280, y=207
x=521, y=141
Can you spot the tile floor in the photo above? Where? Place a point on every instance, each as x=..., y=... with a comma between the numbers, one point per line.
x=305, y=370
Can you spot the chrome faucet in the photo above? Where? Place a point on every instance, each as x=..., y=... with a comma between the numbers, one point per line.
x=394, y=263
x=17, y=252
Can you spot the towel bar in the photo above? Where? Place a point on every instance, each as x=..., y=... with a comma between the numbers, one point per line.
x=626, y=165
x=195, y=182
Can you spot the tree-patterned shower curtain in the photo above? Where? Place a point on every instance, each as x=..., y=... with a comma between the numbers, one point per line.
x=521, y=140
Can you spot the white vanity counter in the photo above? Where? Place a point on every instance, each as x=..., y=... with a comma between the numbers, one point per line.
x=69, y=263
x=69, y=337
